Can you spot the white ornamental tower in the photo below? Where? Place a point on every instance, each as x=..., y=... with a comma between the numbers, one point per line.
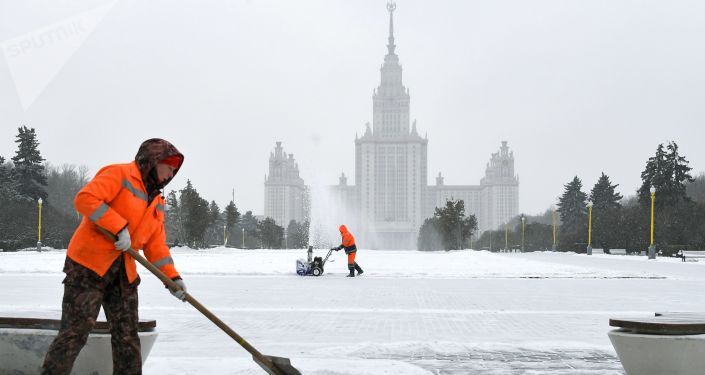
x=391, y=162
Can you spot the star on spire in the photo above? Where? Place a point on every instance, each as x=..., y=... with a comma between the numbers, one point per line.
x=391, y=6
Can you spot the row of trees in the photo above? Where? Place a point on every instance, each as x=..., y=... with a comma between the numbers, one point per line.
x=617, y=222
x=191, y=220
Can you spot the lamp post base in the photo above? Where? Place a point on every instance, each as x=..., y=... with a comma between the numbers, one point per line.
x=553, y=248
x=652, y=252
x=39, y=246
x=589, y=250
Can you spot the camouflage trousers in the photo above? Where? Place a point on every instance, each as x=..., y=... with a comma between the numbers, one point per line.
x=84, y=293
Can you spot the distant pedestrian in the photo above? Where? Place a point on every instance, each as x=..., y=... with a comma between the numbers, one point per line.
x=124, y=200
x=348, y=243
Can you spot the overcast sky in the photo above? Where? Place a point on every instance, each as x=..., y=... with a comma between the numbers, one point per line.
x=575, y=87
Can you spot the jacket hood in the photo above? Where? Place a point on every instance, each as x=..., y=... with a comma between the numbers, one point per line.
x=150, y=153
x=343, y=229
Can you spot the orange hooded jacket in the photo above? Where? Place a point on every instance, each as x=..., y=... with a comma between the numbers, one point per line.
x=348, y=240
x=115, y=198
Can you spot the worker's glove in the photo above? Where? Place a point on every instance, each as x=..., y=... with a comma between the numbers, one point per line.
x=180, y=294
x=123, y=240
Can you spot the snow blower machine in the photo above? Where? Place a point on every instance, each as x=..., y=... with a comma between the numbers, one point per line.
x=314, y=265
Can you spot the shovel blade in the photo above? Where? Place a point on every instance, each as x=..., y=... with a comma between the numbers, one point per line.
x=282, y=366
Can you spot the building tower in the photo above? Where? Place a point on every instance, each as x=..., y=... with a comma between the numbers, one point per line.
x=284, y=190
x=390, y=162
x=500, y=190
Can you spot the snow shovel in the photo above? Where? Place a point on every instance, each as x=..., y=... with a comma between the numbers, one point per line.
x=270, y=364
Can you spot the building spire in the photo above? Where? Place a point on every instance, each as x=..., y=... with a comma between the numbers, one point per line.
x=391, y=6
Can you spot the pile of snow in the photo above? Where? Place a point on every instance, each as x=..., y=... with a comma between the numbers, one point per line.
x=376, y=263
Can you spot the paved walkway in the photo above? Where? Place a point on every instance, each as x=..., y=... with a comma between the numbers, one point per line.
x=456, y=326
x=496, y=362
x=443, y=326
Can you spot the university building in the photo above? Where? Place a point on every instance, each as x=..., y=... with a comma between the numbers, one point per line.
x=391, y=197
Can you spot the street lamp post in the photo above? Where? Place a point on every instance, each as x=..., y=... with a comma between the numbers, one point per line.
x=506, y=237
x=523, y=220
x=243, y=238
x=39, y=227
x=490, y=240
x=553, y=248
x=652, y=248
x=460, y=238
x=589, y=246
x=225, y=237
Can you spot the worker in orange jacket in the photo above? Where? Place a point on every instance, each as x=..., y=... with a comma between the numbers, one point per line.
x=124, y=200
x=348, y=243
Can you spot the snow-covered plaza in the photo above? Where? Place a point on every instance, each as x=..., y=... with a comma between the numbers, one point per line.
x=458, y=312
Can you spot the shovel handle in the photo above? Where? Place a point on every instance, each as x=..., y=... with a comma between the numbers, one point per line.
x=262, y=360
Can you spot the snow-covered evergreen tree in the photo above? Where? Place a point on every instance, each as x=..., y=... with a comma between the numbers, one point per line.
x=232, y=217
x=175, y=234
x=293, y=235
x=681, y=172
x=271, y=234
x=668, y=172
x=606, y=215
x=28, y=168
x=8, y=186
x=250, y=226
x=214, y=232
x=195, y=215
x=603, y=195
x=572, y=205
x=429, y=236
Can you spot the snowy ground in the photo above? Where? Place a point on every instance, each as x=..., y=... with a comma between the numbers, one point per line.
x=410, y=313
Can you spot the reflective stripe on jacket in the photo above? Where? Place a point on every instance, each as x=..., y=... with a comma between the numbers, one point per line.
x=116, y=197
x=350, y=249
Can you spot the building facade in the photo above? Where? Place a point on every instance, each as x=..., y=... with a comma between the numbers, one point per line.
x=285, y=195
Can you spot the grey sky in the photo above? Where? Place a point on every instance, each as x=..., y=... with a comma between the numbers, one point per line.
x=575, y=87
